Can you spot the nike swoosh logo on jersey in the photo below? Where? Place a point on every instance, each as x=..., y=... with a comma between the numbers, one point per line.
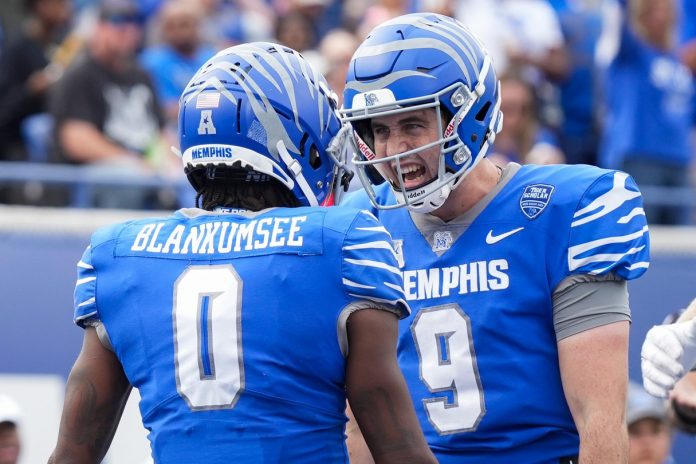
x=491, y=239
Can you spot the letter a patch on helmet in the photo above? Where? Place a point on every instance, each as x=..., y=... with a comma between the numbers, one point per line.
x=535, y=198
x=206, y=126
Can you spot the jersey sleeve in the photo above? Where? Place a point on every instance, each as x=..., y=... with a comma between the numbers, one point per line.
x=609, y=232
x=370, y=272
x=86, y=312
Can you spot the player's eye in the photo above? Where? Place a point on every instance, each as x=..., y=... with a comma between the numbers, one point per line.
x=413, y=127
x=380, y=132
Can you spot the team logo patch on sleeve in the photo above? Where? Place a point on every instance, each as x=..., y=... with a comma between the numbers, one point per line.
x=535, y=198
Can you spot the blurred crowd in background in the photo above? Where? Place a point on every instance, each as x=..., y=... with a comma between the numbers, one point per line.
x=96, y=83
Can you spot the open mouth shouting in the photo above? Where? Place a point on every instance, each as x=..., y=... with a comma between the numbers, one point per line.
x=413, y=175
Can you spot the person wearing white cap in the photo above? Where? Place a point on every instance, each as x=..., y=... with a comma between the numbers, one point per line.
x=649, y=432
x=10, y=419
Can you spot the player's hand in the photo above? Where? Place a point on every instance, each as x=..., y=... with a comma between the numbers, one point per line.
x=669, y=351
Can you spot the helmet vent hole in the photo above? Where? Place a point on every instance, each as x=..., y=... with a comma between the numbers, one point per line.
x=239, y=115
x=314, y=158
x=240, y=70
x=303, y=142
x=481, y=115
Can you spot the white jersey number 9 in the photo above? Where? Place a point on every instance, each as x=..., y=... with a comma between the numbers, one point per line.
x=448, y=363
x=207, y=337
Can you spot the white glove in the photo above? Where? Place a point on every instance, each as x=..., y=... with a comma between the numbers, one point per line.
x=669, y=351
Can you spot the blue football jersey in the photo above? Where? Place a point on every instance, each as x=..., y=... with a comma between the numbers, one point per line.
x=479, y=350
x=232, y=327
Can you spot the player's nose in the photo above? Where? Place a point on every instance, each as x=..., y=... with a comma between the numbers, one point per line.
x=397, y=143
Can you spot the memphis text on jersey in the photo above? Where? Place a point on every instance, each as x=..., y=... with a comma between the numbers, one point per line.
x=478, y=276
x=221, y=236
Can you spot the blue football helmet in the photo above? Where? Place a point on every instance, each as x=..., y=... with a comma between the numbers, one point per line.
x=261, y=108
x=418, y=61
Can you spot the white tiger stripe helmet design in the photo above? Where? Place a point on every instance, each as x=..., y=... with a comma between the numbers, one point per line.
x=417, y=61
x=262, y=108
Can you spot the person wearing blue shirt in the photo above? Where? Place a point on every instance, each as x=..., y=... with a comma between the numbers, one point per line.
x=174, y=61
x=581, y=23
x=246, y=322
x=516, y=347
x=649, y=102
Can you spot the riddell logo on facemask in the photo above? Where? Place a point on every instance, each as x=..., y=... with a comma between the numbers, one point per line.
x=415, y=195
x=450, y=127
x=364, y=149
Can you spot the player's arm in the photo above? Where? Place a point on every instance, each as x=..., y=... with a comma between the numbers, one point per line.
x=95, y=396
x=608, y=245
x=591, y=320
x=377, y=391
x=683, y=403
x=594, y=371
x=358, y=452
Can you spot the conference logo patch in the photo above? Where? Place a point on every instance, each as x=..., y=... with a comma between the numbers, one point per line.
x=535, y=198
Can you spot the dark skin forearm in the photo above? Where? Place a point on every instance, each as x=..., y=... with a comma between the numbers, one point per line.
x=382, y=424
x=378, y=394
x=95, y=396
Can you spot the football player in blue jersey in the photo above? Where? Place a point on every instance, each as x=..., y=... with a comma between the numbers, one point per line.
x=246, y=323
x=516, y=347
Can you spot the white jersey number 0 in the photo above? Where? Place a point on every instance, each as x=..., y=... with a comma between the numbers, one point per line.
x=207, y=337
x=448, y=363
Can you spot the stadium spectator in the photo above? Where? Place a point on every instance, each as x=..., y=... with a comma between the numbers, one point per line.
x=230, y=22
x=649, y=431
x=239, y=354
x=296, y=30
x=516, y=348
x=523, y=138
x=649, y=104
x=581, y=24
x=106, y=111
x=519, y=33
x=524, y=37
x=30, y=63
x=177, y=54
x=336, y=50
x=443, y=7
x=687, y=28
x=325, y=15
x=368, y=15
x=10, y=422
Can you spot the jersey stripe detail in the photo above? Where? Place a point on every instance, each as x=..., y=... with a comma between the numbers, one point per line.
x=376, y=245
x=608, y=202
x=85, y=280
x=635, y=212
x=350, y=283
x=378, y=264
x=610, y=231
